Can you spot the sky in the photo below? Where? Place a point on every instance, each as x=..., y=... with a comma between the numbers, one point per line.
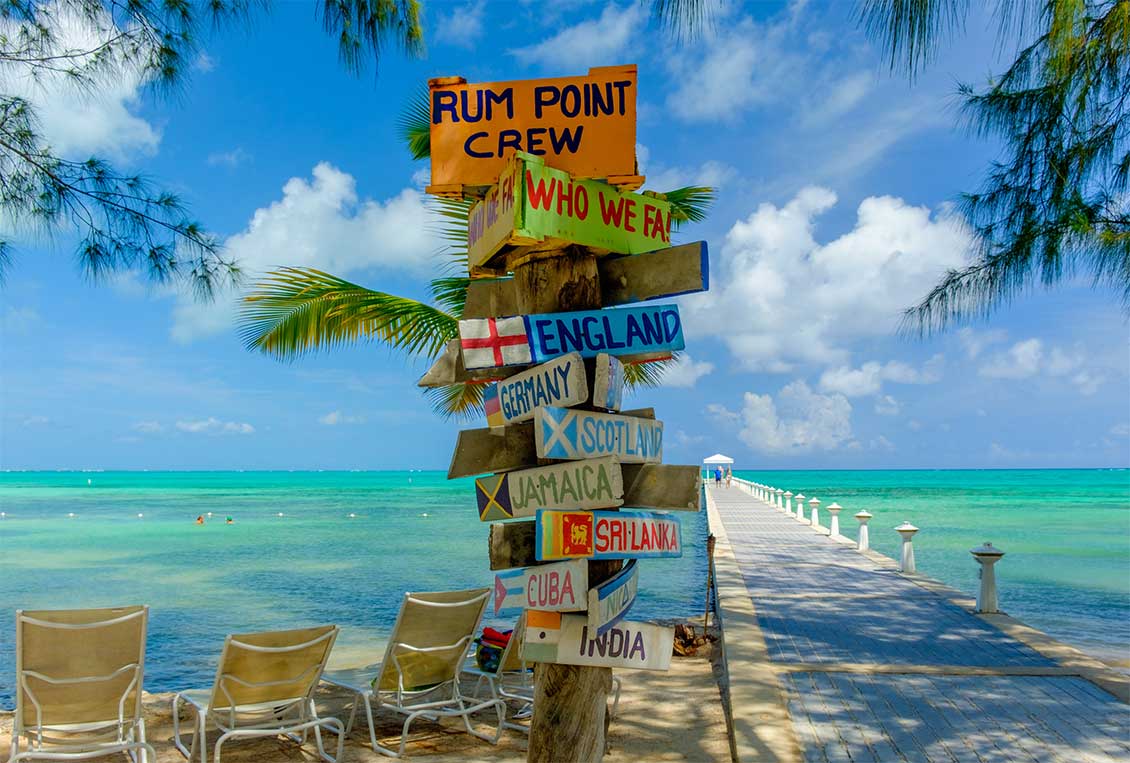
x=836, y=189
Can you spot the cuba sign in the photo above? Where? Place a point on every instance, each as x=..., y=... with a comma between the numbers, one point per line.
x=534, y=203
x=585, y=126
x=560, y=587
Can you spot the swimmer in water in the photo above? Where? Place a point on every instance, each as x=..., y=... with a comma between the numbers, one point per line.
x=229, y=521
x=200, y=519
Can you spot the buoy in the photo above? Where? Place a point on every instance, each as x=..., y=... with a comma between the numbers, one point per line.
x=90, y=482
x=280, y=513
x=424, y=514
x=3, y=514
x=140, y=515
x=353, y=516
x=209, y=515
x=71, y=515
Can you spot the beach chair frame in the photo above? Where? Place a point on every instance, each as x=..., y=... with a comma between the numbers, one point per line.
x=441, y=700
x=290, y=716
x=514, y=679
x=86, y=739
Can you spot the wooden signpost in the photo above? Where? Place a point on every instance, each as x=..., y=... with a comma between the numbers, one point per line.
x=568, y=640
x=592, y=484
x=682, y=269
x=535, y=207
x=525, y=339
x=534, y=153
x=585, y=126
x=568, y=433
x=605, y=535
x=561, y=381
x=560, y=587
x=611, y=600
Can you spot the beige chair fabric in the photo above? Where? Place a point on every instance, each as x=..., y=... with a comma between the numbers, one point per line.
x=79, y=676
x=264, y=686
x=419, y=675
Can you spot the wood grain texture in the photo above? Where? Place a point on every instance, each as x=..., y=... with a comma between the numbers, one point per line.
x=478, y=451
x=665, y=487
x=571, y=724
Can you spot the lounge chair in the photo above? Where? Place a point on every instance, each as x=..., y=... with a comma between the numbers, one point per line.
x=264, y=687
x=79, y=674
x=515, y=679
x=419, y=675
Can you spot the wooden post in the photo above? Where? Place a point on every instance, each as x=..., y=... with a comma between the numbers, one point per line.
x=709, y=579
x=569, y=720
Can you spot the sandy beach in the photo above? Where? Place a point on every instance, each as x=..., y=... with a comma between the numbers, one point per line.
x=673, y=716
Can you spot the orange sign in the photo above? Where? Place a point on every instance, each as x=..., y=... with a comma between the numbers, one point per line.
x=585, y=126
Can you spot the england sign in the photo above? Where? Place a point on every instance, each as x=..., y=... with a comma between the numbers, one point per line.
x=591, y=484
x=560, y=587
x=583, y=125
x=569, y=640
x=572, y=434
x=605, y=535
x=524, y=339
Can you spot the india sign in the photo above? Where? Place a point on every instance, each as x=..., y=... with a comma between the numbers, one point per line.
x=592, y=484
x=559, y=587
x=569, y=640
x=524, y=339
x=611, y=600
x=583, y=125
x=573, y=434
x=558, y=382
x=535, y=204
x=605, y=535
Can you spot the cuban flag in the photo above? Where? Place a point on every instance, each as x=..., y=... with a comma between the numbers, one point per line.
x=495, y=342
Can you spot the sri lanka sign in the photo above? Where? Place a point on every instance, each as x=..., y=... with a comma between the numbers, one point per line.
x=559, y=587
x=534, y=203
x=525, y=339
x=605, y=535
x=572, y=434
x=569, y=640
x=592, y=484
x=585, y=126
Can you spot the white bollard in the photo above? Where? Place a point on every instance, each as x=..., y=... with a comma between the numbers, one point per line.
x=814, y=519
x=907, y=530
x=834, y=528
x=864, y=538
x=779, y=500
x=986, y=556
x=789, y=502
x=800, y=507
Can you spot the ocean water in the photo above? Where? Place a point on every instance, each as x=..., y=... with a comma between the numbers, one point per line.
x=413, y=531
x=1066, y=535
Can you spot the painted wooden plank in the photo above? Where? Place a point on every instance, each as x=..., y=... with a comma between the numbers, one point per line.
x=524, y=339
x=448, y=369
x=585, y=125
x=683, y=269
x=610, y=601
x=478, y=451
x=606, y=535
x=568, y=640
x=608, y=382
x=558, y=587
x=591, y=484
x=559, y=382
x=511, y=544
x=666, y=487
x=572, y=434
x=537, y=206
x=490, y=298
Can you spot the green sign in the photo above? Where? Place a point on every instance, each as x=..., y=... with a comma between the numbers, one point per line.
x=536, y=205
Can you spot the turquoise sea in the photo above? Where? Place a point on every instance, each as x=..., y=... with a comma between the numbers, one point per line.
x=1066, y=535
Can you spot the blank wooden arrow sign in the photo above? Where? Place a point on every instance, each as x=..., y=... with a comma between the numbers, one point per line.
x=478, y=451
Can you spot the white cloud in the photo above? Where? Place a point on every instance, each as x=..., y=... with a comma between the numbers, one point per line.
x=785, y=298
x=1018, y=362
x=463, y=26
x=595, y=42
x=212, y=425
x=19, y=320
x=663, y=178
x=36, y=421
x=686, y=372
x=798, y=421
x=149, y=427
x=868, y=379
x=1028, y=358
x=79, y=121
x=233, y=158
x=887, y=406
x=334, y=418
x=321, y=223
x=975, y=341
x=204, y=62
x=1120, y=430
x=881, y=443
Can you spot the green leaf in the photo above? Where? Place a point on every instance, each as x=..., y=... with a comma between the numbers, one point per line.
x=415, y=124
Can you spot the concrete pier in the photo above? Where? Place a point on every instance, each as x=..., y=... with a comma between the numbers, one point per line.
x=849, y=660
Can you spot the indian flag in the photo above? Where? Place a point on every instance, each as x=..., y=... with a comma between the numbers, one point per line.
x=543, y=632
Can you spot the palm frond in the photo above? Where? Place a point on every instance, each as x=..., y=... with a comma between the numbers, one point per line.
x=293, y=311
x=362, y=28
x=454, y=215
x=910, y=30
x=463, y=400
x=689, y=204
x=682, y=18
x=648, y=374
x=415, y=124
x=450, y=293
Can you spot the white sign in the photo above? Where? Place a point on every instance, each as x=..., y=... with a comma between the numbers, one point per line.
x=568, y=640
x=557, y=587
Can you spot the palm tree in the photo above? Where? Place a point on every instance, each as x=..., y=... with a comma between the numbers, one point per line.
x=294, y=311
x=1056, y=204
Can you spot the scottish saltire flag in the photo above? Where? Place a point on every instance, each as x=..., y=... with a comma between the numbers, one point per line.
x=492, y=342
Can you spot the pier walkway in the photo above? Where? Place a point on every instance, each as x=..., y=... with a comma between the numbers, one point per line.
x=833, y=655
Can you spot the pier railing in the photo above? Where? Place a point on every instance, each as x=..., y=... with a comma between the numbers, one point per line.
x=793, y=504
